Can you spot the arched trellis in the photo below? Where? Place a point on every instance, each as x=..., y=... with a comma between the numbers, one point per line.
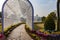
x=31, y=9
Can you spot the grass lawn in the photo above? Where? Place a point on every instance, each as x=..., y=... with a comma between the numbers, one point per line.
x=41, y=25
x=0, y=27
x=32, y=35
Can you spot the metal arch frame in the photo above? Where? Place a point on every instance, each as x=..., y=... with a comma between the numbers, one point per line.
x=3, y=15
x=32, y=14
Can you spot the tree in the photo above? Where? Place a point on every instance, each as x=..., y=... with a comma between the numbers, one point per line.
x=49, y=23
x=43, y=19
x=53, y=15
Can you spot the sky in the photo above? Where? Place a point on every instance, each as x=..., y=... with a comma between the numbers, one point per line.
x=43, y=7
x=1, y=3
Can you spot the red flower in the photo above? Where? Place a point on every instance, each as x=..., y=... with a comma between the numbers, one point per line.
x=1, y=35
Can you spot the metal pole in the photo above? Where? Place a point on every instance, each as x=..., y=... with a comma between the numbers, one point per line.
x=58, y=12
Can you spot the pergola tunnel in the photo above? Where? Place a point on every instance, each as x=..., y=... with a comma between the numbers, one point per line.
x=17, y=11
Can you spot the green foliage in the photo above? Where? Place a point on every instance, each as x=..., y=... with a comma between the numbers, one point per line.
x=0, y=14
x=49, y=22
x=9, y=30
x=0, y=27
x=36, y=27
x=43, y=19
x=53, y=15
x=33, y=36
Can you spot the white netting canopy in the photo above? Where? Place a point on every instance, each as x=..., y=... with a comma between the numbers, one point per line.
x=14, y=10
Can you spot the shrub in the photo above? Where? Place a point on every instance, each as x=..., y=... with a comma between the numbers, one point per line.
x=43, y=18
x=49, y=23
x=12, y=27
x=30, y=32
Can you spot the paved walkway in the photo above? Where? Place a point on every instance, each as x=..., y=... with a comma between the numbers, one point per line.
x=19, y=33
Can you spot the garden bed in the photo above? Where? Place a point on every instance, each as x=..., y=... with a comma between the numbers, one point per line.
x=38, y=35
x=31, y=34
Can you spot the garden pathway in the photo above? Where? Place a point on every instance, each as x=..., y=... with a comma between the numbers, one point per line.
x=19, y=33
